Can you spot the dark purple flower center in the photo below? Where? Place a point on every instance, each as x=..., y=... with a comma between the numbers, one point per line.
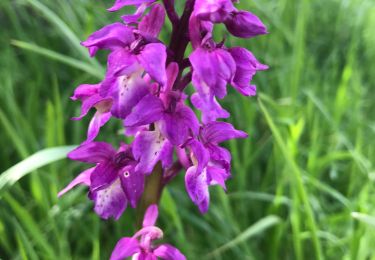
x=121, y=159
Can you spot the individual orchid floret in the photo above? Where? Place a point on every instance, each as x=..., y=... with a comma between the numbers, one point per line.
x=216, y=11
x=124, y=83
x=175, y=122
x=210, y=162
x=89, y=95
x=172, y=126
x=113, y=182
x=215, y=66
x=123, y=41
x=171, y=116
x=239, y=23
x=110, y=37
x=245, y=25
x=127, y=63
x=140, y=246
x=246, y=67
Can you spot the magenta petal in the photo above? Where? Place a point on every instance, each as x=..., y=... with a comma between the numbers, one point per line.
x=183, y=157
x=245, y=25
x=172, y=72
x=217, y=176
x=125, y=247
x=82, y=178
x=200, y=153
x=246, y=67
x=109, y=37
x=194, y=31
x=152, y=23
x=212, y=69
x=151, y=216
x=88, y=103
x=197, y=188
x=211, y=109
x=85, y=90
x=149, y=147
x=219, y=156
x=133, y=18
x=120, y=62
x=175, y=126
x=153, y=58
x=168, y=252
x=93, y=152
x=126, y=92
x=133, y=184
x=121, y=3
x=217, y=132
x=104, y=175
x=110, y=201
x=147, y=111
x=96, y=123
x=215, y=11
x=145, y=256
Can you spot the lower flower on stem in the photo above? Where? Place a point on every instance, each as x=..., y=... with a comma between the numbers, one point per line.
x=140, y=245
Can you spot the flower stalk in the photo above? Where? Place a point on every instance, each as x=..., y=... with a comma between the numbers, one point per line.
x=152, y=194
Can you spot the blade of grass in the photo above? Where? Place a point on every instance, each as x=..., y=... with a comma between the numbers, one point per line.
x=96, y=72
x=53, y=18
x=25, y=246
x=257, y=228
x=370, y=220
x=301, y=190
x=33, y=162
x=34, y=230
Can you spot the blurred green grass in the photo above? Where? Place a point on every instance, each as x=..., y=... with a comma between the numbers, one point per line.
x=303, y=185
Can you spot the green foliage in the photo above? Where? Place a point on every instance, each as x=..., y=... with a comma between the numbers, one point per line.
x=303, y=182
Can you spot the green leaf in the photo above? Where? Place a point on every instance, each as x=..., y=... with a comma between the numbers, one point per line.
x=257, y=228
x=67, y=33
x=60, y=57
x=25, y=246
x=31, y=163
x=364, y=218
x=168, y=204
x=31, y=226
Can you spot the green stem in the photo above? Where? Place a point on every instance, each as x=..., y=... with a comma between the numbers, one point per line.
x=152, y=192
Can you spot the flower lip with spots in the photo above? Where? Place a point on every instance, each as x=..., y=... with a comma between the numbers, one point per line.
x=113, y=182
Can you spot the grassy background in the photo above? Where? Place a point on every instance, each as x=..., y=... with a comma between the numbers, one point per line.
x=303, y=185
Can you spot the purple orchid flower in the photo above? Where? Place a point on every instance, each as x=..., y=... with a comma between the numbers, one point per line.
x=210, y=162
x=131, y=56
x=239, y=23
x=215, y=66
x=113, y=182
x=144, y=87
x=89, y=95
x=140, y=245
x=172, y=120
